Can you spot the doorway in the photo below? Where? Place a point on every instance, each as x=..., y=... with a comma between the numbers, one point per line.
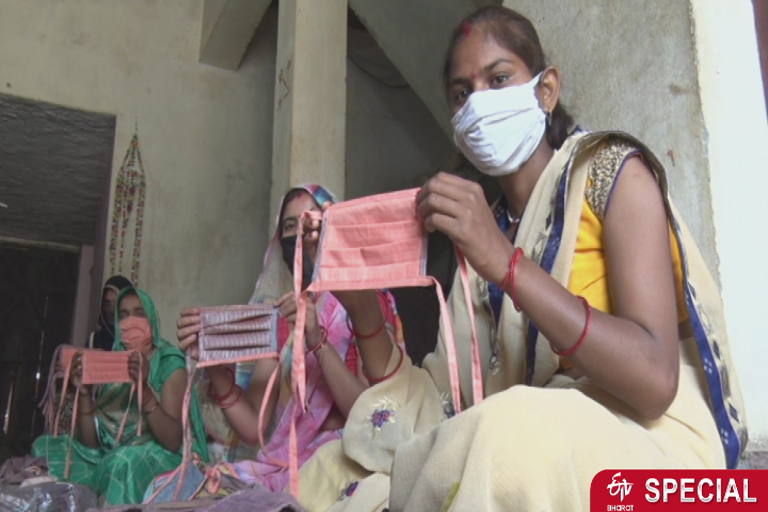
x=55, y=170
x=37, y=296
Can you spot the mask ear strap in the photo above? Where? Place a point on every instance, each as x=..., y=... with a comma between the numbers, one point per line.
x=64, y=386
x=477, y=373
x=262, y=413
x=141, y=393
x=125, y=416
x=298, y=368
x=450, y=348
x=187, y=441
x=68, y=463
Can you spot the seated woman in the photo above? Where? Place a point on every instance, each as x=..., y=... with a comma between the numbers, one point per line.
x=104, y=336
x=601, y=332
x=119, y=474
x=334, y=377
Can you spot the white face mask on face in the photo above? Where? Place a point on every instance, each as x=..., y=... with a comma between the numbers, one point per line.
x=499, y=129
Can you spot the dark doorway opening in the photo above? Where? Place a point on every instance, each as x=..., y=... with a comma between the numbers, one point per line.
x=37, y=295
x=55, y=168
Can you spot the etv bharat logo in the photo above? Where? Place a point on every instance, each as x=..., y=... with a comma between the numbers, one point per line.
x=620, y=488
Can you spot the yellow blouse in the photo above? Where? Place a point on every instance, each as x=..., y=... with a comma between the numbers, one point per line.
x=589, y=276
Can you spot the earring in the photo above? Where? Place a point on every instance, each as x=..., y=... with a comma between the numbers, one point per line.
x=549, y=118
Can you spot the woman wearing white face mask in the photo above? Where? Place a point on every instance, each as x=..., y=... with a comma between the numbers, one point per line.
x=592, y=341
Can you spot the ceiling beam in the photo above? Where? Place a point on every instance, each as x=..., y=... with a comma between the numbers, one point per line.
x=228, y=27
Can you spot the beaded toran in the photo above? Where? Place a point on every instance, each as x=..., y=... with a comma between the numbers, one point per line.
x=130, y=189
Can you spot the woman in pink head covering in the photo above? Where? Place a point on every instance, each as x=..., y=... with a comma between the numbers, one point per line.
x=334, y=376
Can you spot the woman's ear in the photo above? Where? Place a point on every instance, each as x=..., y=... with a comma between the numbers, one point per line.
x=549, y=89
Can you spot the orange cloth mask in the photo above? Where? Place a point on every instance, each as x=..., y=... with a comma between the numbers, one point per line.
x=136, y=334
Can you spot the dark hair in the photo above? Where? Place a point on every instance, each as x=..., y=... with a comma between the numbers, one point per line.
x=516, y=33
x=290, y=196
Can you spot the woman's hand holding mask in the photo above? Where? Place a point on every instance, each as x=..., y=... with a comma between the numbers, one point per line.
x=77, y=374
x=188, y=327
x=287, y=306
x=458, y=208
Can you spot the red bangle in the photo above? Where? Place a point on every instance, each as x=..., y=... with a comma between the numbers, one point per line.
x=233, y=402
x=509, y=278
x=323, y=339
x=587, y=325
x=148, y=412
x=504, y=284
x=378, y=331
x=217, y=398
x=374, y=380
x=147, y=400
x=512, y=271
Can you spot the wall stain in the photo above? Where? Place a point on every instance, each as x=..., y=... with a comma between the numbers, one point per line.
x=284, y=83
x=678, y=90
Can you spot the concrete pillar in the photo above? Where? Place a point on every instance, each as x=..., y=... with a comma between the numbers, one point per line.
x=733, y=106
x=310, y=96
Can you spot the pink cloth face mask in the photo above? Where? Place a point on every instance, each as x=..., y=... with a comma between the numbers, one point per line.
x=136, y=334
x=230, y=334
x=373, y=243
x=98, y=367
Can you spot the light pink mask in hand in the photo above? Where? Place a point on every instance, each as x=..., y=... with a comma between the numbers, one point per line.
x=368, y=244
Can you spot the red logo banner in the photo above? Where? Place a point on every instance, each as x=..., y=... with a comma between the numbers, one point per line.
x=620, y=490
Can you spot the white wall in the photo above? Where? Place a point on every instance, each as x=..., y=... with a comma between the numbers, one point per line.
x=733, y=104
x=631, y=66
x=205, y=133
x=391, y=136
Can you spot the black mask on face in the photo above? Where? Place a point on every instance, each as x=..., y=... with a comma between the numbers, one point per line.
x=289, y=255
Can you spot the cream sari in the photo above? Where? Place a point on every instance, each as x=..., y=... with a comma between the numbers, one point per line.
x=539, y=438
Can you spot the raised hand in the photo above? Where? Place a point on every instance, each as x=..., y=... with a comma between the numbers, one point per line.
x=188, y=327
x=77, y=374
x=458, y=208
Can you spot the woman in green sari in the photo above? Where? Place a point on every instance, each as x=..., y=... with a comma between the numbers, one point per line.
x=119, y=474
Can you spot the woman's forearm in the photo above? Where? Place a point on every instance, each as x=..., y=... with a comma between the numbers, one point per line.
x=367, y=317
x=345, y=386
x=166, y=429
x=243, y=416
x=86, y=424
x=617, y=353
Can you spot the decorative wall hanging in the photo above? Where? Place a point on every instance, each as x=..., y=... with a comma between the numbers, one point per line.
x=130, y=190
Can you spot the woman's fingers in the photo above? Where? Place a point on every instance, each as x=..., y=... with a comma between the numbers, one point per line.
x=436, y=203
x=190, y=312
x=187, y=342
x=186, y=321
x=288, y=308
x=442, y=223
x=188, y=331
x=288, y=296
x=448, y=185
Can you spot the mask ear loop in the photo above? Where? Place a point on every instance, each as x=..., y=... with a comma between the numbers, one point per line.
x=64, y=387
x=477, y=373
x=298, y=369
